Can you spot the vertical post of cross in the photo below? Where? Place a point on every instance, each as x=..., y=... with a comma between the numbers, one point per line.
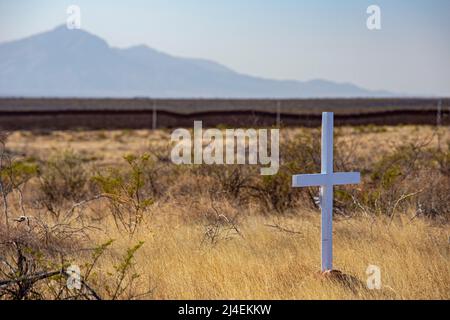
x=326, y=180
x=326, y=192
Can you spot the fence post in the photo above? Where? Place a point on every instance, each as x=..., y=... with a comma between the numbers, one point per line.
x=154, y=115
x=278, y=113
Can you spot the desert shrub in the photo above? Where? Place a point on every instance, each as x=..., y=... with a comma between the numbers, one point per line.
x=63, y=178
x=433, y=201
x=118, y=283
x=298, y=155
x=33, y=269
x=442, y=158
x=345, y=155
x=124, y=277
x=31, y=248
x=221, y=222
x=272, y=192
x=302, y=152
x=413, y=175
x=158, y=174
x=231, y=181
x=276, y=193
x=435, y=182
x=31, y=251
x=125, y=190
x=14, y=174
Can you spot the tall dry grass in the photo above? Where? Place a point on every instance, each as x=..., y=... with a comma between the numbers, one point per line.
x=221, y=233
x=279, y=258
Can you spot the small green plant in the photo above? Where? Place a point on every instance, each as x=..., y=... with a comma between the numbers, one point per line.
x=14, y=174
x=96, y=255
x=126, y=192
x=124, y=279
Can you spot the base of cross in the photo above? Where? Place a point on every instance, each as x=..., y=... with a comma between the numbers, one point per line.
x=341, y=278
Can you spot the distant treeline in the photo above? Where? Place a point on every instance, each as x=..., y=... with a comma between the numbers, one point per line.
x=61, y=114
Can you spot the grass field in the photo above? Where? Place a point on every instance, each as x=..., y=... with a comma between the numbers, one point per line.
x=216, y=232
x=271, y=263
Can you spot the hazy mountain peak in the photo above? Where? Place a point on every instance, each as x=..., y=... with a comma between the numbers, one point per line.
x=63, y=36
x=65, y=62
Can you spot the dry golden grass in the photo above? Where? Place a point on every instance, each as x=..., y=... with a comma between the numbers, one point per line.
x=108, y=147
x=268, y=263
x=276, y=256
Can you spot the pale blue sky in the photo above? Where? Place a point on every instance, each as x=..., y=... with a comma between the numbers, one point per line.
x=282, y=39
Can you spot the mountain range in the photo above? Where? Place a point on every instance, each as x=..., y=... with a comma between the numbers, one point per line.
x=76, y=63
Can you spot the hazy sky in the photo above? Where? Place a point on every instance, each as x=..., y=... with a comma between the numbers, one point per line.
x=282, y=39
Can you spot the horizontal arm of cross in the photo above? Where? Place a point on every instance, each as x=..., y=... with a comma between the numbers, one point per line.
x=309, y=180
x=340, y=178
x=323, y=179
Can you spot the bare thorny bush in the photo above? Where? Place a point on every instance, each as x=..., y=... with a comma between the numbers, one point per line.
x=36, y=251
x=222, y=224
x=413, y=175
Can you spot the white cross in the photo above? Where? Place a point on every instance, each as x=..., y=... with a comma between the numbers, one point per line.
x=326, y=180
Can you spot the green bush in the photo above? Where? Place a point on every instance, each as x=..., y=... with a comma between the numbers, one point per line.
x=126, y=191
